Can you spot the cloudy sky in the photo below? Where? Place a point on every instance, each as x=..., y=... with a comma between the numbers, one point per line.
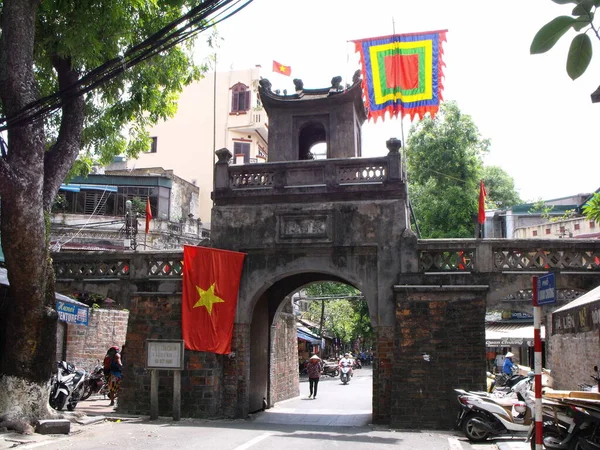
x=542, y=125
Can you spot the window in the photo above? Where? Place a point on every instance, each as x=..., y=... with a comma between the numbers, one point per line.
x=240, y=98
x=592, y=224
x=576, y=226
x=241, y=152
x=153, y=145
x=534, y=232
x=547, y=230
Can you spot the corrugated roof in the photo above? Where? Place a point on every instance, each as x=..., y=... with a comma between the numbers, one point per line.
x=589, y=297
x=511, y=330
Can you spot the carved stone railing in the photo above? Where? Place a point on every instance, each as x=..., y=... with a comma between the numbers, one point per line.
x=292, y=181
x=508, y=255
x=435, y=255
x=111, y=266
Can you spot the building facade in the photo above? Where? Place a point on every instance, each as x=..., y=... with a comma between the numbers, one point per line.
x=221, y=110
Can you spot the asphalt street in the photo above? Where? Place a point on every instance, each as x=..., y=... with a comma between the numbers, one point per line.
x=339, y=417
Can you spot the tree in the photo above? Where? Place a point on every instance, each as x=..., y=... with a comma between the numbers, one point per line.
x=581, y=20
x=341, y=311
x=591, y=209
x=54, y=57
x=500, y=188
x=444, y=157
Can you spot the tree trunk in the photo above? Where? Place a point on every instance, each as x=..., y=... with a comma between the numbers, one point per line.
x=28, y=180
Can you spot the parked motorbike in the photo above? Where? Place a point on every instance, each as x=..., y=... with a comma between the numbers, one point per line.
x=584, y=430
x=357, y=364
x=345, y=373
x=484, y=415
x=94, y=383
x=66, y=387
x=331, y=369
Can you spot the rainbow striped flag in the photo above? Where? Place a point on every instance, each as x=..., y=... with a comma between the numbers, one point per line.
x=402, y=73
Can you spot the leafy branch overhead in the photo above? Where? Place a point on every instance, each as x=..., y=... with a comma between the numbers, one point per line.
x=581, y=20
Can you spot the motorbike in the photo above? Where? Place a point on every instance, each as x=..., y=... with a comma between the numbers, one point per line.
x=345, y=373
x=67, y=386
x=331, y=369
x=357, y=364
x=94, y=383
x=483, y=415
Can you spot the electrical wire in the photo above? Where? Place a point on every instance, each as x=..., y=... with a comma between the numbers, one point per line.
x=207, y=14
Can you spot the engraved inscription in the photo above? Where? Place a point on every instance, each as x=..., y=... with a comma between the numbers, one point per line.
x=309, y=227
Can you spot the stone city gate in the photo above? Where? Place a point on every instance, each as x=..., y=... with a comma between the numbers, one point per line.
x=338, y=219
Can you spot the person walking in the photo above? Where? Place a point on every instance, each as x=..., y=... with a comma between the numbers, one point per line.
x=314, y=369
x=509, y=366
x=113, y=369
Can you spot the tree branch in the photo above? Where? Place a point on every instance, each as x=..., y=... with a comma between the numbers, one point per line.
x=59, y=159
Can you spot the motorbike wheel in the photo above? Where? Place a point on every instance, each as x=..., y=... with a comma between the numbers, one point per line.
x=87, y=392
x=550, y=432
x=71, y=406
x=336, y=372
x=59, y=402
x=472, y=432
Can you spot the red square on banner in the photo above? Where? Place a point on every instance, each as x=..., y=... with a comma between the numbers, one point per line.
x=402, y=71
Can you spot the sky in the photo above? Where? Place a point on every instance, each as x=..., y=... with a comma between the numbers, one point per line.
x=542, y=125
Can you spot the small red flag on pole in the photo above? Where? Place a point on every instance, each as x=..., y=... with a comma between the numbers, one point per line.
x=280, y=68
x=482, y=195
x=148, y=214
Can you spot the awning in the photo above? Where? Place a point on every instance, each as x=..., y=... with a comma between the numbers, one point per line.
x=308, y=337
x=507, y=334
x=72, y=187
x=69, y=310
x=580, y=315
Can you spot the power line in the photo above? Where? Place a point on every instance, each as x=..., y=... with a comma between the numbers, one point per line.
x=207, y=14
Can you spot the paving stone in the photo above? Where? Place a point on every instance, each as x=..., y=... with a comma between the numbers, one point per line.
x=53, y=426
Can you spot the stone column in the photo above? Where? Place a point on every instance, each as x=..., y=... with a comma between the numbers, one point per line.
x=236, y=373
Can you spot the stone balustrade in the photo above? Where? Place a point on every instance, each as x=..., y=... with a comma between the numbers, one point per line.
x=435, y=255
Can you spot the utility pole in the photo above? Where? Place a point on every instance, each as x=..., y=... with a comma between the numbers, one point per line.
x=131, y=226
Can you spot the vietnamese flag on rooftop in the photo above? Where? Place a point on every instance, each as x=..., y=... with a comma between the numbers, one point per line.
x=211, y=279
x=280, y=68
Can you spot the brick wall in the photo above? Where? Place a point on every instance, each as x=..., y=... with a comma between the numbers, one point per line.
x=201, y=379
x=572, y=358
x=439, y=345
x=284, y=357
x=86, y=345
x=383, y=357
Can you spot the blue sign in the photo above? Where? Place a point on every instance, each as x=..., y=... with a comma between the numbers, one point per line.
x=70, y=313
x=546, y=291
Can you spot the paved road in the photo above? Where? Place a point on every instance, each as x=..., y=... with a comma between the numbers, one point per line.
x=340, y=417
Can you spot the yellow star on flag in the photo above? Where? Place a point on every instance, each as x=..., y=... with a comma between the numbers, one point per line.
x=207, y=298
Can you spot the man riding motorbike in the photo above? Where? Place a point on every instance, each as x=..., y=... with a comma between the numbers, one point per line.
x=346, y=361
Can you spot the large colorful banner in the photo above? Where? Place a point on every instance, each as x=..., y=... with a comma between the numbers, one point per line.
x=211, y=279
x=402, y=74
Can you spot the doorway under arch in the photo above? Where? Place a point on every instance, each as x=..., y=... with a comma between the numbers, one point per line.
x=274, y=367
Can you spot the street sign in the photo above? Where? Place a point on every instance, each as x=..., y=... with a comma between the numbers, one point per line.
x=546, y=291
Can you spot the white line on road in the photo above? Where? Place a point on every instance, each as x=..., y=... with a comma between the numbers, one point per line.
x=251, y=442
x=454, y=444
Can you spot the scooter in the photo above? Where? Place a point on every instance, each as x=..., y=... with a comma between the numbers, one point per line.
x=67, y=386
x=94, y=383
x=485, y=415
x=345, y=373
x=331, y=369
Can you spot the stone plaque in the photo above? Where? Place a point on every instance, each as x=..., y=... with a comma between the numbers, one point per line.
x=305, y=227
x=164, y=354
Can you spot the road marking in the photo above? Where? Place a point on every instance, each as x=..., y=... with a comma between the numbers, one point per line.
x=454, y=444
x=251, y=442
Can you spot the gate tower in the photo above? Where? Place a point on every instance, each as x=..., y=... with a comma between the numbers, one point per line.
x=302, y=220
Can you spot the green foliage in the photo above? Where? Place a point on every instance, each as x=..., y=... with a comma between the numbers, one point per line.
x=346, y=315
x=500, y=188
x=444, y=168
x=539, y=207
x=581, y=21
x=120, y=112
x=591, y=209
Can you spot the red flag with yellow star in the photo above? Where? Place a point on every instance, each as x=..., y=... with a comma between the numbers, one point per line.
x=211, y=279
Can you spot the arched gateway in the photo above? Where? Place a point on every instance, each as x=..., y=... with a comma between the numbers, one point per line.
x=343, y=219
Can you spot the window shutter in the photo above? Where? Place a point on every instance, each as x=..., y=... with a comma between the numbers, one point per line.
x=246, y=100
x=234, y=101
